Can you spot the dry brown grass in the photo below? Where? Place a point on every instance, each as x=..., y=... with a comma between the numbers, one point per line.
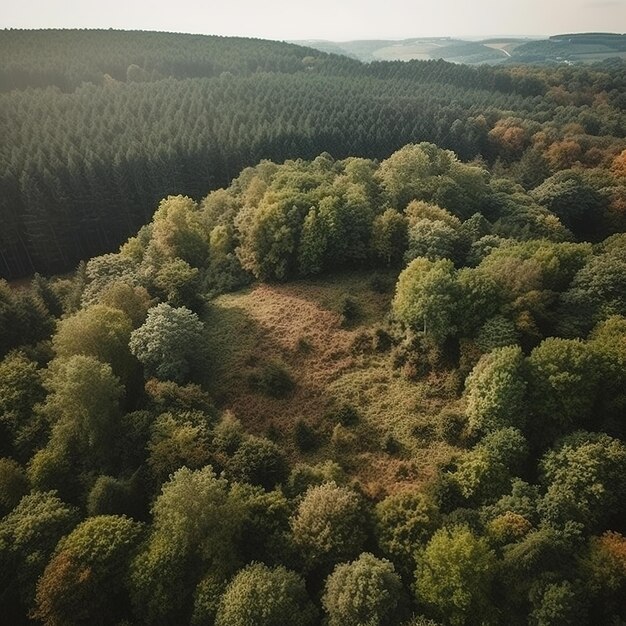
x=299, y=325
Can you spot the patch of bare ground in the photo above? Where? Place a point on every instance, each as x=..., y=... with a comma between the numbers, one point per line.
x=299, y=327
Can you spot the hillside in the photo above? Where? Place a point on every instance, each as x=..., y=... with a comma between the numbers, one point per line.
x=68, y=58
x=421, y=48
x=575, y=48
x=98, y=126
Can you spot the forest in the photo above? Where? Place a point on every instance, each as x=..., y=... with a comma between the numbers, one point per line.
x=333, y=344
x=98, y=126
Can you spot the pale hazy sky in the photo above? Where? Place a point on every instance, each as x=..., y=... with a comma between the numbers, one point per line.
x=324, y=19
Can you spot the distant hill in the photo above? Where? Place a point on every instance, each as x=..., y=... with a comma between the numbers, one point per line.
x=566, y=48
x=573, y=48
x=75, y=57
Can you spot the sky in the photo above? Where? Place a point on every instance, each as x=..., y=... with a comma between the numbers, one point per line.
x=337, y=20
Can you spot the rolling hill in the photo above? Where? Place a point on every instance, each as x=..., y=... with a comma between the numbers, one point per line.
x=567, y=48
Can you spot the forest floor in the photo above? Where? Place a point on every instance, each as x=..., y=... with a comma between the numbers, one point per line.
x=299, y=327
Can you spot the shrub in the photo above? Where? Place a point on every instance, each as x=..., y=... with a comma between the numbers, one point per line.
x=345, y=414
x=350, y=311
x=258, y=462
x=390, y=444
x=305, y=436
x=228, y=434
x=382, y=340
x=380, y=284
x=450, y=425
x=303, y=476
x=273, y=380
x=342, y=439
x=304, y=345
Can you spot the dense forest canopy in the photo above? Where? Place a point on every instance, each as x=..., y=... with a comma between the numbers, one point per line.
x=414, y=415
x=359, y=360
x=97, y=126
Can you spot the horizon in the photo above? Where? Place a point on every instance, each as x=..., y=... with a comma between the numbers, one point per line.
x=350, y=20
x=478, y=37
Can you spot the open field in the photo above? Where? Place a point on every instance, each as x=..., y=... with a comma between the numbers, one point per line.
x=299, y=326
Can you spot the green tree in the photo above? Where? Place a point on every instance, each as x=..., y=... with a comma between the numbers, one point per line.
x=485, y=472
x=28, y=536
x=426, y=297
x=313, y=244
x=365, y=592
x=98, y=331
x=161, y=582
x=178, y=231
x=258, y=461
x=103, y=271
x=348, y=216
x=520, y=500
x=479, y=299
x=269, y=233
x=563, y=384
x=558, y=604
x=495, y=391
x=83, y=408
x=178, y=440
x=196, y=523
x=498, y=331
x=115, y=496
x=389, y=237
x=132, y=300
x=206, y=600
x=20, y=390
x=265, y=534
x=596, y=292
x=418, y=210
x=265, y=597
x=409, y=172
x=608, y=340
x=585, y=480
x=84, y=581
x=329, y=525
x=24, y=318
x=574, y=200
x=196, y=510
x=454, y=577
x=404, y=521
x=178, y=282
x=434, y=240
x=13, y=484
x=167, y=343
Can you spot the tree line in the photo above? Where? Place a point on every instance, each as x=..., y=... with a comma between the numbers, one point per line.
x=94, y=138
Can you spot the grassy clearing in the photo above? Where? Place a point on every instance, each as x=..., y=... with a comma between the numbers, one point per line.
x=299, y=327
